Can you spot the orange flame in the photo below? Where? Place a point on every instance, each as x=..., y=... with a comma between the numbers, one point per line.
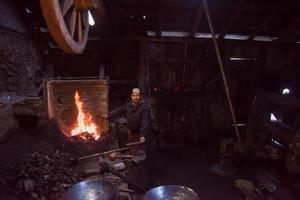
x=85, y=128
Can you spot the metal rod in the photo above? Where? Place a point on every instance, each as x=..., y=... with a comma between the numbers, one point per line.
x=104, y=153
x=222, y=71
x=128, y=145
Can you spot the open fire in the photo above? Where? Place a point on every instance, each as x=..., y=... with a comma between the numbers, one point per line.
x=84, y=129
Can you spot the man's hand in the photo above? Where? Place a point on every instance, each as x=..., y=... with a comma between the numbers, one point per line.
x=104, y=116
x=142, y=139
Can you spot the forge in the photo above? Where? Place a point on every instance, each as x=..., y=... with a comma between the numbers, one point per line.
x=75, y=106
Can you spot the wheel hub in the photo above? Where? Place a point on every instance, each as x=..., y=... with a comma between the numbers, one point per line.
x=83, y=5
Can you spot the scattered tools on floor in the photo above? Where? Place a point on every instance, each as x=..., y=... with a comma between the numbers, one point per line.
x=260, y=190
x=76, y=161
x=129, y=145
x=134, y=161
x=125, y=156
x=244, y=185
x=114, y=156
x=106, y=167
x=133, y=143
x=126, y=190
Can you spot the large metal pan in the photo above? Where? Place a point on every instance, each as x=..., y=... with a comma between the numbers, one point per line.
x=92, y=189
x=170, y=192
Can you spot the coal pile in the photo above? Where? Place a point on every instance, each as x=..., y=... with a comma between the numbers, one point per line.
x=40, y=176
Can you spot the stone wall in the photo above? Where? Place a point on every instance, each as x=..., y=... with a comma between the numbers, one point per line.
x=20, y=63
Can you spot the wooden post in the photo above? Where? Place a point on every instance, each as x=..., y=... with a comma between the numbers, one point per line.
x=222, y=72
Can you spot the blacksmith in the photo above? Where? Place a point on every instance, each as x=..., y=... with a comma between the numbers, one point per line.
x=138, y=115
x=139, y=122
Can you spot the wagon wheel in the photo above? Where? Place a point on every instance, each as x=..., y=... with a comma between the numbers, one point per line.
x=67, y=22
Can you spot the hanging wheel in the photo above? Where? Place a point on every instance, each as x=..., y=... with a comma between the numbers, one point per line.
x=67, y=21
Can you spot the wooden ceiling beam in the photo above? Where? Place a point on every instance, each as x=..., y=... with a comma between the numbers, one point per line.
x=227, y=26
x=267, y=20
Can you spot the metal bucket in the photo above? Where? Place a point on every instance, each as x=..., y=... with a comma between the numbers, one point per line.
x=92, y=189
x=171, y=192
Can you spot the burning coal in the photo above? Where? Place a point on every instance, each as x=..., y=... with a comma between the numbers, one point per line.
x=85, y=128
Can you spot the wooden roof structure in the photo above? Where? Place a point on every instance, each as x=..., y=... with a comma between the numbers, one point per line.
x=267, y=20
x=242, y=20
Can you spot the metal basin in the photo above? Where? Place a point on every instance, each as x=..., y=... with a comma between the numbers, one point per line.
x=170, y=192
x=92, y=190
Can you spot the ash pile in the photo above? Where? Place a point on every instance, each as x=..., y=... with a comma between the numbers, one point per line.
x=41, y=176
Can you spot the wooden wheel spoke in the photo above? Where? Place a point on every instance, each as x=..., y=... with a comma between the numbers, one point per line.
x=79, y=28
x=67, y=5
x=67, y=22
x=84, y=19
x=73, y=22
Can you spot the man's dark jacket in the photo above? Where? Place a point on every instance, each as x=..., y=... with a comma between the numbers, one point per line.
x=138, y=117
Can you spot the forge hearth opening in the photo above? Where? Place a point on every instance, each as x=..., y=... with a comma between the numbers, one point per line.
x=76, y=104
x=85, y=127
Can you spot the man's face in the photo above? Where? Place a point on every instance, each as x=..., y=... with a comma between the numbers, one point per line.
x=135, y=97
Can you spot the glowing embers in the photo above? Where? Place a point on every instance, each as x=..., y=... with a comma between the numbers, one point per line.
x=84, y=129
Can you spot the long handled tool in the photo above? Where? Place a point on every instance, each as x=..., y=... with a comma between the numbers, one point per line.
x=129, y=145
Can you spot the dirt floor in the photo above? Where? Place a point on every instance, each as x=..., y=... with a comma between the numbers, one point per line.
x=187, y=165
x=190, y=166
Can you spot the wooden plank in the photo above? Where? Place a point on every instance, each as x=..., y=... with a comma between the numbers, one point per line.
x=282, y=100
x=276, y=129
x=154, y=39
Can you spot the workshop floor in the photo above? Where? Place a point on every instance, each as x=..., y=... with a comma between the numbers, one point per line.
x=190, y=166
x=178, y=165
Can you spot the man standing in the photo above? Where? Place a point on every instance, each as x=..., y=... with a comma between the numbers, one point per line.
x=138, y=115
x=139, y=122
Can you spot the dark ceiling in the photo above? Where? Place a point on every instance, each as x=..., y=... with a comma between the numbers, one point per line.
x=276, y=18
x=258, y=20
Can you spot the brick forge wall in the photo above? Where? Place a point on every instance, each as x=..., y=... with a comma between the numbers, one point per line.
x=62, y=108
x=20, y=63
